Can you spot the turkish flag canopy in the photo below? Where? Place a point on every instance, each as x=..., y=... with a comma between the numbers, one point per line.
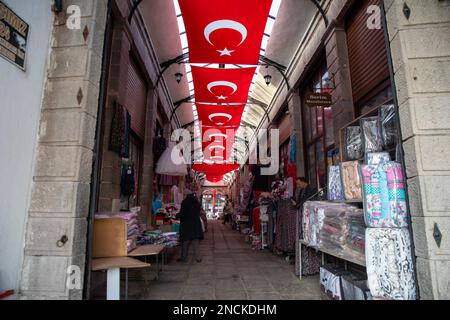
x=222, y=85
x=214, y=115
x=225, y=31
x=214, y=178
x=217, y=143
x=215, y=170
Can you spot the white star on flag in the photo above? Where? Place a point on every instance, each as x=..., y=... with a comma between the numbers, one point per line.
x=225, y=52
x=221, y=97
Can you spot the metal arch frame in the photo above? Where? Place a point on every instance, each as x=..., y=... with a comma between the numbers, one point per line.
x=322, y=11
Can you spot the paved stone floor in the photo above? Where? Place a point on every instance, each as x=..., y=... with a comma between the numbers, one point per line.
x=230, y=270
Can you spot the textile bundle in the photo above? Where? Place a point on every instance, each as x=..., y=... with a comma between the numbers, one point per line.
x=334, y=227
x=335, y=191
x=390, y=268
x=385, y=195
x=371, y=132
x=351, y=181
x=353, y=143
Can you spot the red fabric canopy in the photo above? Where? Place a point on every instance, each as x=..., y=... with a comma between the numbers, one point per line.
x=227, y=32
x=222, y=85
x=217, y=143
x=214, y=115
x=215, y=170
x=214, y=178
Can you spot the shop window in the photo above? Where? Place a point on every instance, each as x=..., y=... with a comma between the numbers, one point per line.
x=318, y=129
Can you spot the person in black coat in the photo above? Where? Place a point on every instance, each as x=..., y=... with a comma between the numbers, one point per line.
x=303, y=193
x=191, y=230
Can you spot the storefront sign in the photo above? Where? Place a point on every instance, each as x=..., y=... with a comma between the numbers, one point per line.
x=13, y=36
x=322, y=99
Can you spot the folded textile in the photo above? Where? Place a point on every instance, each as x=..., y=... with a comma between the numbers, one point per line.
x=385, y=196
x=335, y=191
x=388, y=126
x=371, y=133
x=390, y=268
x=353, y=143
x=351, y=181
x=376, y=158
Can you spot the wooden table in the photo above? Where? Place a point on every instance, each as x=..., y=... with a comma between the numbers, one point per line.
x=150, y=250
x=113, y=266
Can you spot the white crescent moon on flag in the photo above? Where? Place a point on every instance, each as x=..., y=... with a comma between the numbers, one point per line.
x=216, y=147
x=229, y=84
x=223, y=135
x=215, y=115
x=225, y=24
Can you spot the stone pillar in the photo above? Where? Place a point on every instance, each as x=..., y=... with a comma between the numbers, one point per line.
x=146, y=190
x=60, y=192
x=295, y=111
x=420, y=48
x=338, y=67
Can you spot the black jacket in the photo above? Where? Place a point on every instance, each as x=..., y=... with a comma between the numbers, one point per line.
x=189, y=215
x=304, y=195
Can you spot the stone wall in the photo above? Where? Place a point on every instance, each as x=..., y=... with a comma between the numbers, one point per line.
x=420, y=48
x=63, y=165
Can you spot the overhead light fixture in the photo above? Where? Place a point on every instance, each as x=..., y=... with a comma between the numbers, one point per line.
x=268, y=79
x=178, y=76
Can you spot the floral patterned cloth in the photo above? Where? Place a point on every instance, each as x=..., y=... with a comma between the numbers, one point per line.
x=384, y=196
x=389, y=264
x=335, y=191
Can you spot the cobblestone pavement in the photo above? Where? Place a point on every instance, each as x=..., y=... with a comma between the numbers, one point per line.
x=230, y=270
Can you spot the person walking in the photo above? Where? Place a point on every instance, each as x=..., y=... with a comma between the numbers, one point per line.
x=191, y=230
x=227, y=212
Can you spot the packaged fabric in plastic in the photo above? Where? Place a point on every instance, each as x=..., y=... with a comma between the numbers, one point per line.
x=375, y=158
x=384, y=196
x=389, y=264
x=353, y=143
x=351, y=181
x=354, y=287
x=389, y=129
x=330, y=281
x=355, y=235
x=371, y=134
x=335, y=191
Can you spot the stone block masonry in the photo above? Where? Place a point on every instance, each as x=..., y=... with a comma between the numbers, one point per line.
x=63, y=165
x=420, y=48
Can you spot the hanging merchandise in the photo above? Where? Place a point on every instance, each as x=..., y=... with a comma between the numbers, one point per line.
x=384, y=196
x=351, y=181
x=120, y=129
x=335, y=192
x=172, y=162
x=293, y=150
x=389, y=128
x=353, y=143
x=377, y=158
x=389, y=263
x=371, y=132
x=127, y=180
x=159, y=145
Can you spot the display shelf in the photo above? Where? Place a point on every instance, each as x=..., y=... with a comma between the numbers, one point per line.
x=335, y=254
x=347, y=201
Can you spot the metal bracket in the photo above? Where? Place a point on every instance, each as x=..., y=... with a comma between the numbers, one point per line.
x=437, y=235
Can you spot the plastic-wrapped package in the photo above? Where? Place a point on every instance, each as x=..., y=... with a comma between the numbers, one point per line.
x=375, y=158
x=356, y=235
x=335, y=191
x=384, y=196
x=330, y=281
x=371, y=133
x=353, y=143
x=351, y=181
x=388, y=126
x=390, y=269
x=354, y=287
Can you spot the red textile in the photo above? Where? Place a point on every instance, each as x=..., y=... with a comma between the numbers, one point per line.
x=214, y=115
x=235, y=25
x=222, y=85
x=256, y=220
